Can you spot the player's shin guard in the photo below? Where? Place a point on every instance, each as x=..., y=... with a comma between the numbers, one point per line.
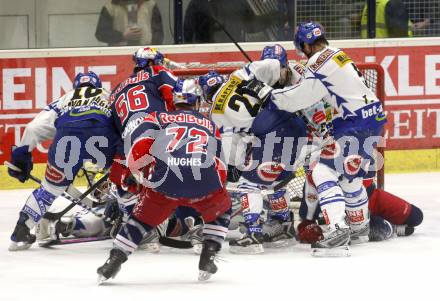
x=36, y=205
x=252, y=240
x=356, y=206
x=337, y=234
x=131, y=234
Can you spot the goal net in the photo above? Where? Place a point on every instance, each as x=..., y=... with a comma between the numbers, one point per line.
x=374, y=76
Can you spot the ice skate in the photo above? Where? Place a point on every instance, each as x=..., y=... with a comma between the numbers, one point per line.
x=63, y=227
x=403, y=230
x=359, y=234
x=207, y=266
x=278, y=233
x=334, y=244
x=21, y=238
x=112, y=266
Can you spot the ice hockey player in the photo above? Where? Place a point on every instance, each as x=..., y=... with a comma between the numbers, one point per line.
x=148, y=89
x=279, y=227
x=235, y=114
x=389, y=215
x=331, y=75
x=174, y=157
x=81, y=128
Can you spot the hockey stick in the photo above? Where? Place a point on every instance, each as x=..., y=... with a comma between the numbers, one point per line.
x=69, y=241
x=166, y=241
x=75, y=201
x=232, y=39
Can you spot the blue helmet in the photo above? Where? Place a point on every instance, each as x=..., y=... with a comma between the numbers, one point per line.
x=210, y=82
x=90, y=79
x=186, y=91
x=145, y=54
x=276, y=52
x=307, y=33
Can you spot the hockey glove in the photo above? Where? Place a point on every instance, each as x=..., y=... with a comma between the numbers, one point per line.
x=255, y=88
x=22, y=158
x=309, y=232
x=233, y=174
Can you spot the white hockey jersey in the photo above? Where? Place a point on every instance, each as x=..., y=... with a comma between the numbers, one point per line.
x=75, y=105
x=234, y=112
x=332, y=76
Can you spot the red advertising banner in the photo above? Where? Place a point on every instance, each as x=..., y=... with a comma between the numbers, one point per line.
x=412, y=84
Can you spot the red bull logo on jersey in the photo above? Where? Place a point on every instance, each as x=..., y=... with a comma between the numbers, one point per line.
x=269, y=171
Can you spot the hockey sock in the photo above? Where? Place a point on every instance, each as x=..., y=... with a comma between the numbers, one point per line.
x=130, y=235
x=218, y=229
x=36, y=206
x=332, y=203
x=356, y=203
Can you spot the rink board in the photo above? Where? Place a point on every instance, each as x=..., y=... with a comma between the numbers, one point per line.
x=29, y=79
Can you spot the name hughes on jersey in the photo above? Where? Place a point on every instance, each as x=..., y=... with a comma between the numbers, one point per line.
x=184, y=161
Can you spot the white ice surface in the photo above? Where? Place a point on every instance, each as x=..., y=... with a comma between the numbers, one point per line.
x=405, y=268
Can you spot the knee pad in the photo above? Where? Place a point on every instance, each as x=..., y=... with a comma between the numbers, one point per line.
x=380, y=229
x=415, y=217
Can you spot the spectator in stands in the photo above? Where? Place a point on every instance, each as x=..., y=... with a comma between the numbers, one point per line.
x=425, y=16
x=130, y=22
x=392, y=20
x=245, y=20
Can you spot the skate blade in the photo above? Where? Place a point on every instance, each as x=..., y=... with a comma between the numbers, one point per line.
x=358, y=240
x=204, y=275
x=249, y=250
x=342, y=251
x=282, y=243
x=152, y=247
x=197, y=248
x=14, y=246
x=101, y=279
